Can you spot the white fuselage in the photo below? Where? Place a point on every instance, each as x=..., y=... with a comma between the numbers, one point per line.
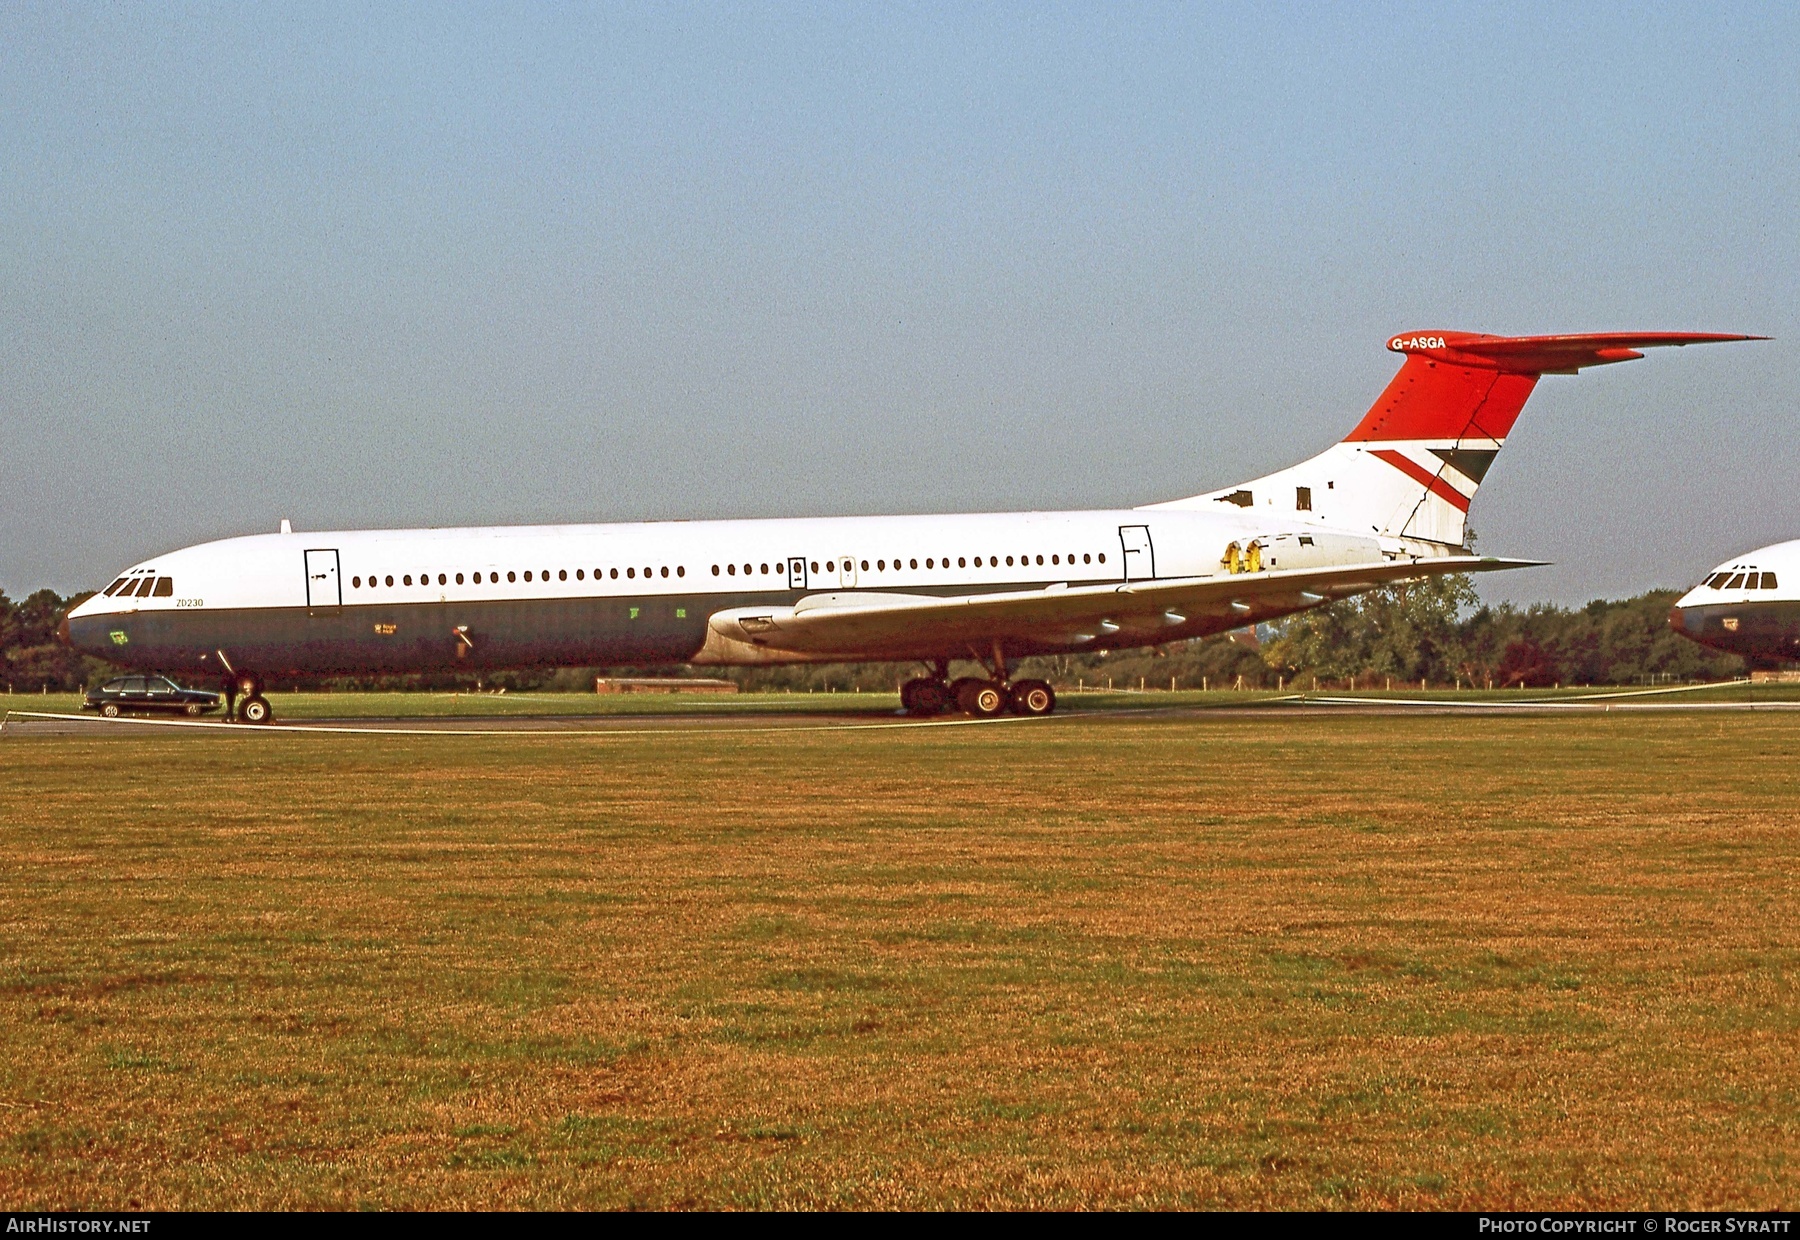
x=966, y=552
x=524, y=595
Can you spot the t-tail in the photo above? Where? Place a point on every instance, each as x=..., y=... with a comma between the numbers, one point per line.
x=1412, y=465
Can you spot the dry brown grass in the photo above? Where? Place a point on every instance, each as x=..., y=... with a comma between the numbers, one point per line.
x=1285, y=962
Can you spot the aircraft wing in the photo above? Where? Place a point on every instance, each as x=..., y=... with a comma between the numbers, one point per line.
x=867, y=625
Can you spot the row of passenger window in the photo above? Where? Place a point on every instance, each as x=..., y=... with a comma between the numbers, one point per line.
x=881, y=566
x=831, y=566
x=141, y=587
x=1741, y=581
x=493, y=578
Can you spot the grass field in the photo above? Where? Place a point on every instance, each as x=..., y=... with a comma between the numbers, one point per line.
x=1106, y=961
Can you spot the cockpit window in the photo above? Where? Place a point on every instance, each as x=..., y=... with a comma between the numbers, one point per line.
x=1717, y=581
x=114, y=587
x=145, y=586
x=165, y=587
x=1768, y=581
x=1737, y=579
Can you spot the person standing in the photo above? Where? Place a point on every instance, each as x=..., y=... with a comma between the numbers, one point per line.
x=231, y=692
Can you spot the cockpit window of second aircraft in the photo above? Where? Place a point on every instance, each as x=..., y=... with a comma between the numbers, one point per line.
x=1742, y=580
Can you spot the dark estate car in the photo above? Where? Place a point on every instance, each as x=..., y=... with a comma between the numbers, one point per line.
x=125, y=694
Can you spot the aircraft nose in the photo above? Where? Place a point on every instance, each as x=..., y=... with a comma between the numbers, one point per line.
x=1678, y=619
x=62, y=632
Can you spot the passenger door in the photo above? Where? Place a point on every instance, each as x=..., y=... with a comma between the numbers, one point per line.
x=1140, y=557
x=324, y=593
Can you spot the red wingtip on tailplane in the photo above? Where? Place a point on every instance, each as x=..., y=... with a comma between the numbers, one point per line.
x=1465, y=385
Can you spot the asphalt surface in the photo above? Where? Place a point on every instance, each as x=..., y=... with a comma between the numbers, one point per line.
x=44, y=723
x=29, y=723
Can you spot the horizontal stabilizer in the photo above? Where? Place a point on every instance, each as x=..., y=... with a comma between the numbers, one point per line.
x=1544, y=355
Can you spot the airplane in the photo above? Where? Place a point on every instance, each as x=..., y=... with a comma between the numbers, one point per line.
x=1748, y=606
x=1387, y=504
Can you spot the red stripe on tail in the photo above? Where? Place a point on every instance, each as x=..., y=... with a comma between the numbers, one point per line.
x=1430, y=481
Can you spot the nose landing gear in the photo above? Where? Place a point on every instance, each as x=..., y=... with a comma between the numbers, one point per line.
x=255, y=707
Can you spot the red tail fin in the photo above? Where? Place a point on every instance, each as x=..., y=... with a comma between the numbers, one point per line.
x=1463, y=385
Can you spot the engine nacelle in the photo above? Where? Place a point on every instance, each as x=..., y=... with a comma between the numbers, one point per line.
x=1321, y=550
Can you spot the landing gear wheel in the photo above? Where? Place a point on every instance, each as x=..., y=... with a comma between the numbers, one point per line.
x=990, y=700
x=962, y=689
x=255, y=710
x=924, y=697
x=110, y=710
x=1032, y=697
x=982, y=698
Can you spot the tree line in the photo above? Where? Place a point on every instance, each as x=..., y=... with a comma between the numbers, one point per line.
x=1441, y=632
x=31, y=659
x=1436, y=632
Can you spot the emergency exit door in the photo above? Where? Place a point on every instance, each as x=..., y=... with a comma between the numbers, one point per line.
x=796, y=573
x=323, y=591
x=1140, y=556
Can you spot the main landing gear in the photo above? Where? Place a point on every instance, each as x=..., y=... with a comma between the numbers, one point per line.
x=973, y=695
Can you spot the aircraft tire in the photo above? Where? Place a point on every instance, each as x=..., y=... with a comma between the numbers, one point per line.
x=929, y=697
x=908, y=691
x=986, y=699
x=255, y=709
x=1032, y=697
x=962, y=692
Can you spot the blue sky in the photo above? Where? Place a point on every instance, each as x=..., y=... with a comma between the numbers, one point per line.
x=379, y=265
